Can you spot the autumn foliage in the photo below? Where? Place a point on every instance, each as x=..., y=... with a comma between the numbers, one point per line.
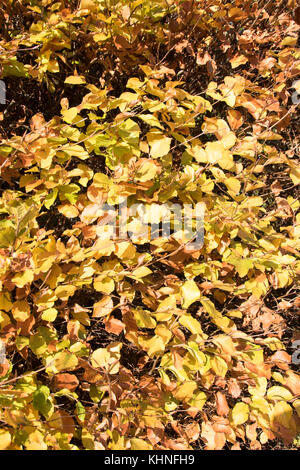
x=124, y=343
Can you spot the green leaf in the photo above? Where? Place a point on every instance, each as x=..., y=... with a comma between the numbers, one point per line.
x=41, y=401
x=50, y=198
x=69, y=192
x=80, y=411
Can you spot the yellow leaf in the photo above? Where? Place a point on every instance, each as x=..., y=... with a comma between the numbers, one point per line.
x=154, y=346
x=233, y=185
x=219, y=366
x=151, y=120
x=159, y=143
x=21, y=310
x=289, y=41
x=35, y=441
x=226, y=162
x=5, y=439
x=70, y=114
x=190, y=293
x=103, y=248
x=5, y=302
x=260, y=404
x=64, y=292
x=87, y=440
x=90, y=5
x=296, y=405
x=104, y=284
x=143, y=319
x=100, y=358
x=191, y=324
x=279, y=393
x=238, y=60
x=50, y=314
x=63, y=360
x=214, y=151
x=142, y=271
x=139, y=444
x=295, y=174
x=185, y=391
x=125, y=250
x=260, y=388
x=164, y=332
x=103, y=307
x=107, y=358
x=243, y=266
x=52, y=66
x=4, y=320
x=75, y=150
x=198, y=400
x=98, y=37
x=228, y=140
x=68, y=211
x=283, y=413
x=146, y=170
x=240, y=413
x=75, y=80
x=23, y=278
